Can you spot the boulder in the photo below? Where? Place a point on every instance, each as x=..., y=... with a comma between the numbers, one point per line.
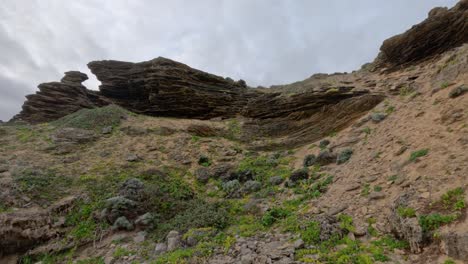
x=298, y=175
x=173, y=240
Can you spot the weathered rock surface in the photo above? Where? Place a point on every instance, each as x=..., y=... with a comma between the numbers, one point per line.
x=57, y=99
x=444, y=29
x=162, y=87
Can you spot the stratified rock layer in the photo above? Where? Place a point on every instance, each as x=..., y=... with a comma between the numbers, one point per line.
x=162, y=87
x=444, y=29
x=57, y=99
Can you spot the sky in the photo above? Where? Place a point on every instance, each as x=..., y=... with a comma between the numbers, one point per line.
x=264, y=42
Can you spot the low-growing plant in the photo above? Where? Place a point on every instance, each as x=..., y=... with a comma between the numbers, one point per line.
x=273, y=215
x=406, y=212
x=311, y=234
x=93, y=119
x=417, y=154
x=454, y=199
x=434, y=221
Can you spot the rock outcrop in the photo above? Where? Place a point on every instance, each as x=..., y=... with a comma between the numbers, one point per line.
x=57, y=99
x=162, y=87
x=443, y=30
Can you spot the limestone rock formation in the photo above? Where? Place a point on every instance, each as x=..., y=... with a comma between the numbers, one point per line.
x=444, y=29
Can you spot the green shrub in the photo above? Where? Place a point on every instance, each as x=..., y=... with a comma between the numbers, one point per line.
x=406, y=212
x=454, y=199
x=311, y=234
x=273, y=215
x=434, y=221
x=344, y=156
x=346, y=223
x=417, y=154
x=93, y=119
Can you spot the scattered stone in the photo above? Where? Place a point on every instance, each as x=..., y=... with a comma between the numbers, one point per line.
x=309, y=160
x=298, y=244
x=106, y=130
x=378, y=117
x=456, y=92
x=222, y=171
x=173, y=240
x=298, y=175
x=376, y=196
x=401, y=150
x=352, y=187
x=131, y=157
x=338, y=209
x=160, y=248
x=122, y=223
x=276, y=180
x=140, y=237
x=344, y=156
x=325, y=157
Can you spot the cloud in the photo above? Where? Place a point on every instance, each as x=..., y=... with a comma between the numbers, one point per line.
x=264, y=42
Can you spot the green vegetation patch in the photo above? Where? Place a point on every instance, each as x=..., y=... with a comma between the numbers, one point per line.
x=418, y=153
x=93, y=119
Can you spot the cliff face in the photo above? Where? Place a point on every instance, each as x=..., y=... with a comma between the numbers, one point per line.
x=444, y=29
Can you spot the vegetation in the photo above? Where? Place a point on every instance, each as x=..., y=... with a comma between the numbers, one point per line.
x=434, y=221
x=93, y=119
x=406, y=212
x=417, y=154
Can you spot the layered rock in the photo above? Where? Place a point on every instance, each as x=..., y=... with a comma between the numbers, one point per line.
x=57, y=99
x=443, y=30
x=163, y=87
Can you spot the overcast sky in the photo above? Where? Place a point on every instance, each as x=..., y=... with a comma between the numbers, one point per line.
x=264, y=42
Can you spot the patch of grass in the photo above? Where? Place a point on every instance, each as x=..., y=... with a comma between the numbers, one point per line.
x=273, y=215
x=265, y=166
x=120, y=252
x=406, y=212
x=449, y=261
x=418, y=154
x=204, y=161
x=93, y=119
x=377, y=188
x=393, y=178
x=311, y=234
x=367, y=130
x=444, y=85
x=365, y=190
x=434, y=221
x=97, y=260
x=234, y=129
x=389, y=109
x=314, y=187
x=195, y=139
x=26, y=134
x=39, y=184
x=346, y=223
x=454, y=199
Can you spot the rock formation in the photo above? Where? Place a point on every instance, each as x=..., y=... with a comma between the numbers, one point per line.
x=57, y=99
x=444, y=29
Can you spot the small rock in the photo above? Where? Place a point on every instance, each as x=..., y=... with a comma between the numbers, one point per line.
x=338, y=209
x=352, y=187
x=131, y=157
x=298, y=244
x=401, y=150
x=378, y=117
x=106, y=130
x=425, y=195
x=247, y=259
x=325, y=157
x=173, y=240
x=160, y=248
x=376, y=196
x=140, y=237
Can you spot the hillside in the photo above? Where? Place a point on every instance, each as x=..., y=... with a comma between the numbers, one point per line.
x=169, y=164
